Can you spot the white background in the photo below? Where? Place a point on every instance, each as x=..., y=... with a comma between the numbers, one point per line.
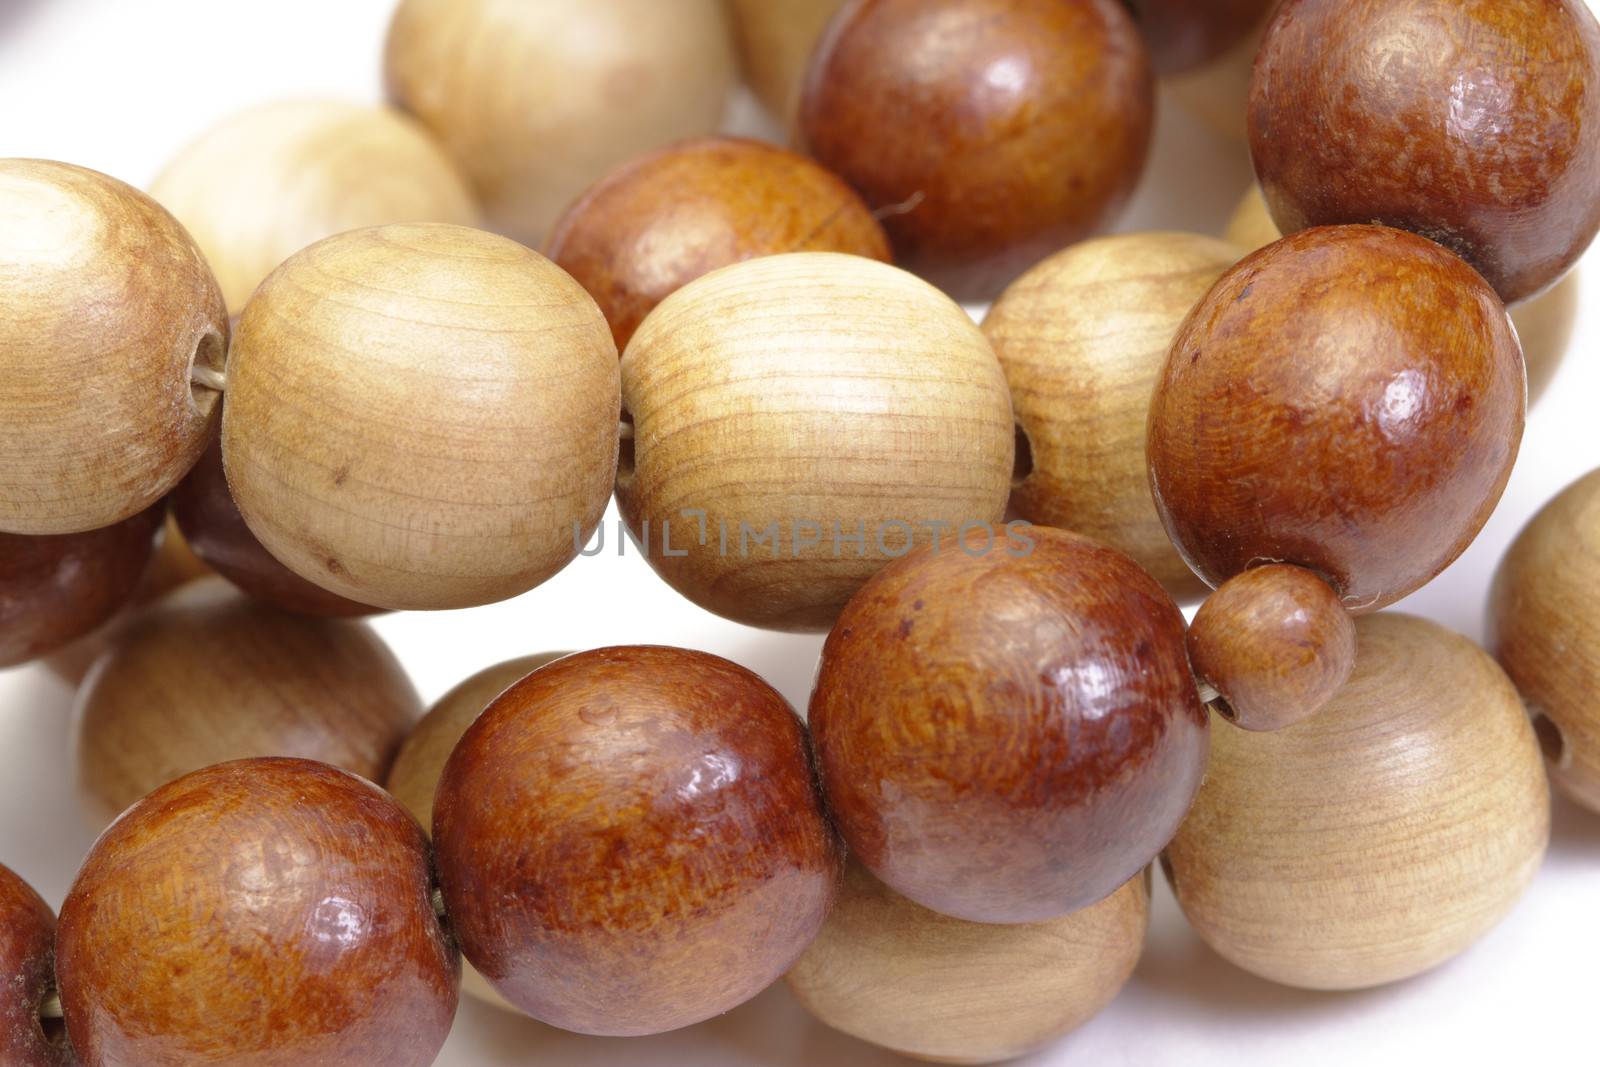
x=120, y=86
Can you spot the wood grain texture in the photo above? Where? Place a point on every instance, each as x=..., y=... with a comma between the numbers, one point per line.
x=1475, y=123
x=421, y=416
x=1276, y=643
x=1378, y=838
x=807, y=393
x=57, y=588
x=105, y=303
x=1349, y=400
x=266, y=182
x=537, y=99
x=262, y=913
x=990, y=133
x=1544, y=627
x=948, y=991
x=1008, y=737
x=1083, y=338
x=1184, y=34
x=209, y=675
x=27, y=977
x=631, y=840
x=776, y=38
x=665, y=219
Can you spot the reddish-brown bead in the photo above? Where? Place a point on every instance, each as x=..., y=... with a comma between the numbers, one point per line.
x=988, y=133
x=1008, y=737
x=258, y=913
x=27, y=976
x=631, y=840
x=1349, y=400
x=1185, y=34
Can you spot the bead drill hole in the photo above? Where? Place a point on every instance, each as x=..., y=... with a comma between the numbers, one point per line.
x=1022, y=462
x=1551, y=741
x=207, y=371
x=625, y=447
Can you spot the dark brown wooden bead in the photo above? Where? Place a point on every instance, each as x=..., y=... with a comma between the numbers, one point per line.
x=1472, y=122
x=1185, y=34
x=217, y=533
x=55, y=588
x=631, y=840
x=1350, y=400
x=1008, y=737
x=988, y=133
x=27, y=977
x=264, y=912
x=1276, y=644
x=667, y=218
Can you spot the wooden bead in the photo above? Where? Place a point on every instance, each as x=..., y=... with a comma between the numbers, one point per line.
x=989, y=133
x=776, y=38
x=1276, y=644
x=949, y=991
x=211, y=525
x=1349, y=400
x=630, y=840
x=1475, y=124
x=794, y=397
x=1544, y=623
x=1183, y=35
x=313, y=168
x=105, y=305
x=27, y=978
x=1008, y=736
x=1083, y=338
x=1545, y=324
x=1378, y=838
x=421, y=416
x=55, y=588
x=1217, y=95
x=274, y=912
x=209, y=675
x=668, y=218
x=538, y=99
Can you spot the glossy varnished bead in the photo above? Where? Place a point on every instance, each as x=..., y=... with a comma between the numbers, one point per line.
x=666, y=219
x=1008, y=736
x=630, y=840
x=1185, y=34
x=989, y=133
x=1349, y=400
x=271, y=912
x=1378, y=838
x=27, y=978
x=1472, y=122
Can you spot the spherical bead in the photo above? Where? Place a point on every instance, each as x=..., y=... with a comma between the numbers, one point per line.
x=630, y=840
x=776, y=38
x=1183, y=35
x=27, y=976
x=1381, y=836
x=1216, y=94
x=105, y=305
x=1008, y=736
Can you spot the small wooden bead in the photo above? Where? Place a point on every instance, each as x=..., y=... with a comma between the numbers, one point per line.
x=949, y=991
x=1276, y=644
x=794, y=398
x=105, y=305
x=536, y=100
x=1184, y=35
x=209, y=675
x=1349, y=400
x=631, y=840
x=27, y=978
x=989, y=133
x=776, y=38
x=56, y=588
x=312, y=168
x=1378, y=838
x=421, y=416
x=274, y=912
x=1544, y=623
x=1083, y=337
x=1474, y=124
x=668, y=218
x=1009, y=736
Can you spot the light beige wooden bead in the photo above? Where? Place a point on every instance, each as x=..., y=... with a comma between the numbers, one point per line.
x=806, y=394
x=776, y=38
x=1544, y=622
x=1378, y=838
x=105, y=305
x=1083, y=337
x=950, y=991
x=209, y=675
x=421, y=416
x=538, y=99
x=266, y=182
